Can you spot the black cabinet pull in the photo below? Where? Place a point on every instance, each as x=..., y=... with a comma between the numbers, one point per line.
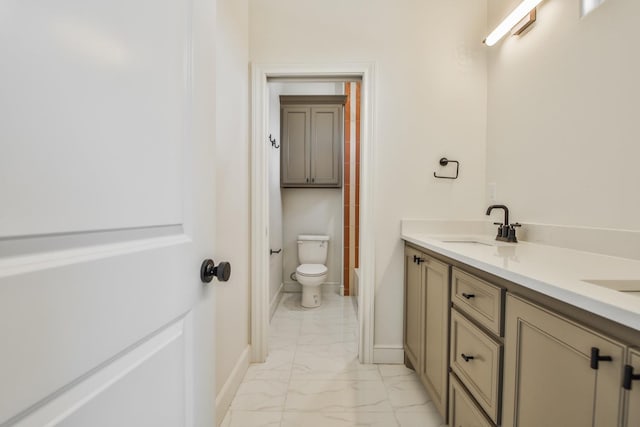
x=466, y=358
x=419, y=260
x=596, y=358
x=415, y=259
x=468, y=296
x=629, y=377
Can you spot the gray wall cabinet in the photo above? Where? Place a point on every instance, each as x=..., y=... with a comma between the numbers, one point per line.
x=311, y=149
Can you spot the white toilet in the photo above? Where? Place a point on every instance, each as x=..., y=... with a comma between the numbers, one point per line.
x=312, y=271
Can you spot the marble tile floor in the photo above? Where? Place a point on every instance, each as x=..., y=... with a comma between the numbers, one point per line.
x=312, y=376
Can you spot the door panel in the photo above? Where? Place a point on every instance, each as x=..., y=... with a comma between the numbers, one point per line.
x=153, y=369
x=93, y=115
x=60, y=321
x=101, y=229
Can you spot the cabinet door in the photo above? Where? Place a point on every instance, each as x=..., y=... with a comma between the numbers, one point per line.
x=326, y=127
x=633, y=395
x=548, y=376
x=413, y=308
x=434, y=368
x=295, y=149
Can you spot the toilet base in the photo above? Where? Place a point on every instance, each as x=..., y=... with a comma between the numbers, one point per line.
x=311, y=296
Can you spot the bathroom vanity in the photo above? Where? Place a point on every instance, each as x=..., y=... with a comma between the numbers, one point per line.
x=522, y=334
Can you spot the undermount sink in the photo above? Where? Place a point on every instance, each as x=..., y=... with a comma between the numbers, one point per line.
x=631, y=287
x=469, y=242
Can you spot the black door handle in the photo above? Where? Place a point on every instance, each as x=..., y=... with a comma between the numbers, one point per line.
x=208, y=270
x=468, y=296
x=629, y=377
x=596, y=358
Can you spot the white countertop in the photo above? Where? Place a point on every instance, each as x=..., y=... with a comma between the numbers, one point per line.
x=549, y=270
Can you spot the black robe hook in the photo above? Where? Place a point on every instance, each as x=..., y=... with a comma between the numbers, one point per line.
x=274, y=142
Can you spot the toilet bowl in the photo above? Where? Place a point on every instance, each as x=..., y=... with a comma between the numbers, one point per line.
x=312, y=271
x=311, y=277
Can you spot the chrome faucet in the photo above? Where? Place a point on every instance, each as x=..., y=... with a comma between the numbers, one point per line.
x=506, y=231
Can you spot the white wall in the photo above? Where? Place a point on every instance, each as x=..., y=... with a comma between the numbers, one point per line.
x=430, y=102
x=312, y=211
x=562, y=117
x=232, y=190
x=299, y=211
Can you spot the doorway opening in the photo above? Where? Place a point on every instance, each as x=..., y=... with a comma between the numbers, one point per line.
x=362, y=211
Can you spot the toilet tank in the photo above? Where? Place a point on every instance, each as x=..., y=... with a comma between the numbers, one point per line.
x=312, y=249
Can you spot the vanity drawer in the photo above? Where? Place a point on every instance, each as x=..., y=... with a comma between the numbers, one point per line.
x=463, y=411
x=481, y=300
x=476, y=359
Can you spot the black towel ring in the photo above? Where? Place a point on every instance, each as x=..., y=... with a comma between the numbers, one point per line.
x=444, y=162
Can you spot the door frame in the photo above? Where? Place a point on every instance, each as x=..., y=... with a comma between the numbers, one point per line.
x=260, y=307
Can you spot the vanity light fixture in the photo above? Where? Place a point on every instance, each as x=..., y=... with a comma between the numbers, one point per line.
x=523, y=10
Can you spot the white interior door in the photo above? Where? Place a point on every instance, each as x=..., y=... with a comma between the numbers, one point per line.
x=103, y=217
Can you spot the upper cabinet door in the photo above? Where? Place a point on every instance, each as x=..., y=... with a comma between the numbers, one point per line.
x=296, y=146
x=326, y=159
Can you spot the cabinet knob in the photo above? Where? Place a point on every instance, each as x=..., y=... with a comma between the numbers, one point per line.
x=596, y=358
x=629, y=377
x=468, y=296
x=466, y=358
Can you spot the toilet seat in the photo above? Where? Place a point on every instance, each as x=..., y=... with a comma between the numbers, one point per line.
x=312, y=270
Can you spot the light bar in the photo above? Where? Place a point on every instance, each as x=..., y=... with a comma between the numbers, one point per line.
x=510, y=21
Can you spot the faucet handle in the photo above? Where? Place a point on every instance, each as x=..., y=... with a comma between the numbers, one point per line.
x=511, y=237
x=501, y=228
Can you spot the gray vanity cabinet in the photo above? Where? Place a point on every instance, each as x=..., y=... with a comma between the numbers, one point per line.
x=516, y=358
x=311, y=136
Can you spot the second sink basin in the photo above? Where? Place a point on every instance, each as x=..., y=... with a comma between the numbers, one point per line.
x=629, y=286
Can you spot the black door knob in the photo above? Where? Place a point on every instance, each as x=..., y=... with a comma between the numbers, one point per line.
x=209, y=270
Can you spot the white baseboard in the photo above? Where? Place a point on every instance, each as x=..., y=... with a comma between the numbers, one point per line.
x=230, y=387
x=388, y=354
x=276, y=300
